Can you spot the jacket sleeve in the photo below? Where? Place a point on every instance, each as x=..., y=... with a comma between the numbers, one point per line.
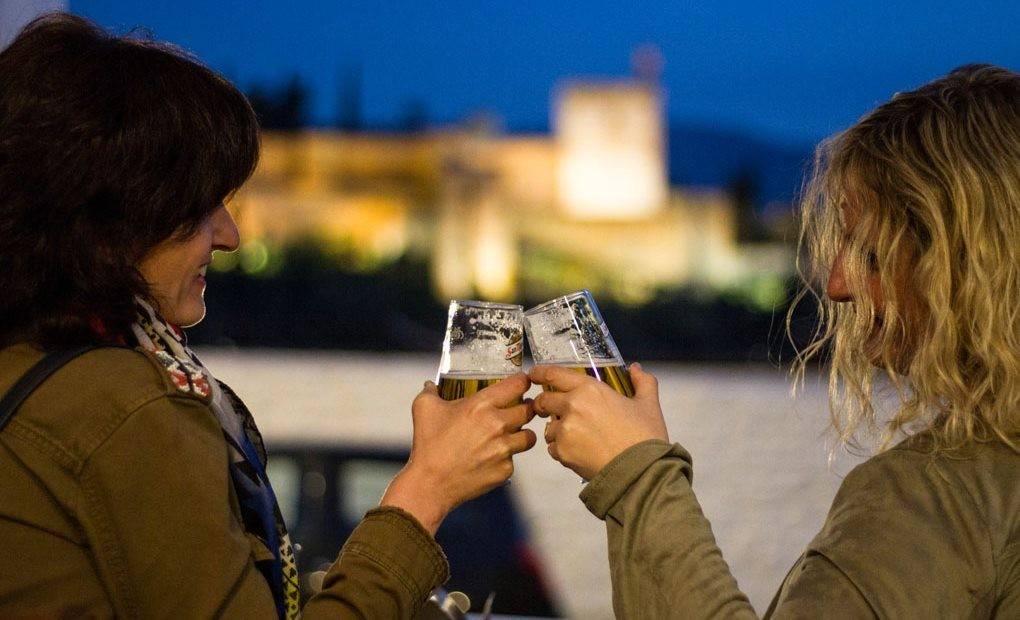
x=663, y=558
x=900, y=541
x=386, y=569
x=158, y=512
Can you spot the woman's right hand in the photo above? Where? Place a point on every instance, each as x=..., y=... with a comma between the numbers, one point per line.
x=461, y=448
x=590, y=423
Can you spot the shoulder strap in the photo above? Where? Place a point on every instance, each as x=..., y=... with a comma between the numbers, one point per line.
x=38, y=373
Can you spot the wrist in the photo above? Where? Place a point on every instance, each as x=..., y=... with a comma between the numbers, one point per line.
x=412, y=492
x=613, y=452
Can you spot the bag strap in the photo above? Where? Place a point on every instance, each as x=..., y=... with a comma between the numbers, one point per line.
x=38, y=373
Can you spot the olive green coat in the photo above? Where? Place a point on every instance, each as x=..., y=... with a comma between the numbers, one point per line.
x=116, y=500
x=908, y=536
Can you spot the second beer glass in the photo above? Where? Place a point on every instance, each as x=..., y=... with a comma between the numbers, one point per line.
x=484, y=344
x=569, y=331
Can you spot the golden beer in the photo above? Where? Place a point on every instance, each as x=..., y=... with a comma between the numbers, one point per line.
x=452, y=387
x=616, y=376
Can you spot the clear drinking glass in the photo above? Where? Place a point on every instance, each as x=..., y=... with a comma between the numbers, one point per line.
x=484, y=344
x=569, y=331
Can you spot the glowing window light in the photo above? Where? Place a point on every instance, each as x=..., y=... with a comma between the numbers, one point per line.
x=494, y=256
x=609, y=184
x=451, y=267
x=611, y=151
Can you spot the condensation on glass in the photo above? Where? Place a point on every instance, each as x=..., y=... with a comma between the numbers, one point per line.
x=484, y=344
x=569, y=331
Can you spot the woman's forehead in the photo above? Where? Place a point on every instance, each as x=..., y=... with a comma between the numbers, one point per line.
x=853, y=203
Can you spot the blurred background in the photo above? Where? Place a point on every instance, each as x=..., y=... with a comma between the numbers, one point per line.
x=651, y=152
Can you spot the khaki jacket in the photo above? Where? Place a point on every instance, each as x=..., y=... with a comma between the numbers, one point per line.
x=908, y=536
x=116, y=500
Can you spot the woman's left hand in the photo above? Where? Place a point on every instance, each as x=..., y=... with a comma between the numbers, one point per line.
x=590, y=423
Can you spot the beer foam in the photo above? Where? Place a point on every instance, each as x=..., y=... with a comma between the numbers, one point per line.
x=482, y=341
x=570, y=332
x=475, y=376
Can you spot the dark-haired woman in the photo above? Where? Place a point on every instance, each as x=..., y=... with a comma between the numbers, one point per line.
x=132, y=482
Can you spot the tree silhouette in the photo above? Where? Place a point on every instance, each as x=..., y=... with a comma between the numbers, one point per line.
x=281, y=107
x=743, y=191
x=350, y=99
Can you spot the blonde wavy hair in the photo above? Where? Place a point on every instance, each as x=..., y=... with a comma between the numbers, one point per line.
x=920, y=202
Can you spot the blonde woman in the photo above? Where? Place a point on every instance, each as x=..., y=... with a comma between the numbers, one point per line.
x=912, y=227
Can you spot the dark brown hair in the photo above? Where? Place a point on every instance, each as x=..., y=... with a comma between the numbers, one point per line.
x=108, y=145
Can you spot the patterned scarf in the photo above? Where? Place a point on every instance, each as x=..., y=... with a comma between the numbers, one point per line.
x=259, y=509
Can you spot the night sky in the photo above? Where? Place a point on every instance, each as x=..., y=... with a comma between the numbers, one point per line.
x=787, y=72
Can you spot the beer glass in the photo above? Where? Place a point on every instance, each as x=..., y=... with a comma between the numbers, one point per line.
x=569, y=331
x=484, y=344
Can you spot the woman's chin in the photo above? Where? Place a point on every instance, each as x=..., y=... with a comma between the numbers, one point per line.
x=188, y=314
x=194, y=319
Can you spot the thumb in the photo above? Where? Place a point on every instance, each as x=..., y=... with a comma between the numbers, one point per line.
x=423, y=409
x=645, y=383
x=429, y=394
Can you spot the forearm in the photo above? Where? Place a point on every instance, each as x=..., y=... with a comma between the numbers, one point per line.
x=663, y=557
x=387, y=569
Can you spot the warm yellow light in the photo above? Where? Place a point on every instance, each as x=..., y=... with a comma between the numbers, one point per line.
x=495, y=255
x=592, y=205
x=609, y=183
x=451, y=267
x=611, y=154
x=374, y=227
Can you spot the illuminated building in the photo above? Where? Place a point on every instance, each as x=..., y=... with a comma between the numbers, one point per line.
x=610, y=151
x=504, y=216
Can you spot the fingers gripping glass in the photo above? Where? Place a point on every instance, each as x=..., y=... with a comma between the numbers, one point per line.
x=569, y=331
x=484, y=344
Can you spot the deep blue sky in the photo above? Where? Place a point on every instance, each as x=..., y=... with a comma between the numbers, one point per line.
x=790, y=72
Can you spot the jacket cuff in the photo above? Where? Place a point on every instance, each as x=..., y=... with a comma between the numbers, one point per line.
x=395, y=540
x=610, y=484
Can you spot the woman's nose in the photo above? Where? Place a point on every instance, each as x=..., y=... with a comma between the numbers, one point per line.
x=836, y=288
x=226, y=237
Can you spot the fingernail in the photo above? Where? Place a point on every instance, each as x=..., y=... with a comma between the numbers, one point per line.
x=636, y=365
